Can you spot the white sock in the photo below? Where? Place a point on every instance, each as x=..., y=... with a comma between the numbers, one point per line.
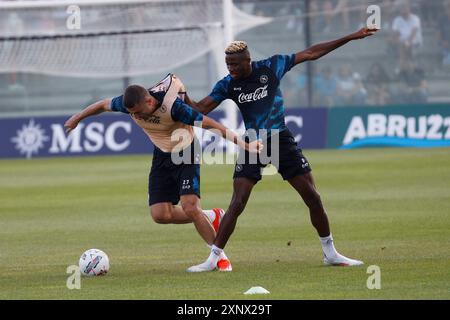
x=210, y=214
x=222, y=254
x=216, y=250
x=214, y=255
x=328, y=246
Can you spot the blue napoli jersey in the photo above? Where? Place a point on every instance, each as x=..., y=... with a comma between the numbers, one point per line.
x=258, y=96
x=180, y=111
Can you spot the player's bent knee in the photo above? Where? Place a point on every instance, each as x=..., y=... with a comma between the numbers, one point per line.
x=161, y=219
x=160, y=216
x=192, y=211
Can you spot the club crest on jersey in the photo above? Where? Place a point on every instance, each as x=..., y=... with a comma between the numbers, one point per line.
x=258, y=94
x=263, y=79
x=163, y=109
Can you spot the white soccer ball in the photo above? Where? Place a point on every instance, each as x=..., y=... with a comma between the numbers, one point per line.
x=94, y=262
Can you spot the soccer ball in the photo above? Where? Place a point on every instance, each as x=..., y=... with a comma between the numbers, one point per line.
x=94, y=262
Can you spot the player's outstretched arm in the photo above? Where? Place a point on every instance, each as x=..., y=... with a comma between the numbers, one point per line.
x=93, y=109
x=205, y=106
x=184, y=113
x=217, y=128
x=319, y=50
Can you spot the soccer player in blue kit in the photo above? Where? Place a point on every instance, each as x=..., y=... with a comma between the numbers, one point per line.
x=255, y=88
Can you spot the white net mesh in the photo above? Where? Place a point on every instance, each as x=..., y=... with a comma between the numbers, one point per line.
x=50, y=17
x=104, y=56
x=114, y=38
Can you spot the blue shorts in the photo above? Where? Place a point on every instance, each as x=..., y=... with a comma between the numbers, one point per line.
x=168, y=181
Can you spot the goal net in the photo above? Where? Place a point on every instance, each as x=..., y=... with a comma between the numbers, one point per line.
x=110, y=38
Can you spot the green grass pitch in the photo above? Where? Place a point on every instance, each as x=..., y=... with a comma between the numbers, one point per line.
x=387, y=207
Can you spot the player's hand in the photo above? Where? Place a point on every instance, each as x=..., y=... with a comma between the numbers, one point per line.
x=70, y=124
x=255, y=146
x=364, y=32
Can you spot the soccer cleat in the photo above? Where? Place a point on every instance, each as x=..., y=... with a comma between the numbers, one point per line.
x=219, y=215
x=203, y=267
x=216, y=260
x=342, y=261
x=224, y=265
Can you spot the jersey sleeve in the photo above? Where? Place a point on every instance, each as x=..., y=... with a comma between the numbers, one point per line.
x=279, y=64
x=220, y=91
x=182, y=112
x=117, y=105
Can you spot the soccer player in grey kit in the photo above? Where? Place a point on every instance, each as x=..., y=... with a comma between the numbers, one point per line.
x=255, y=88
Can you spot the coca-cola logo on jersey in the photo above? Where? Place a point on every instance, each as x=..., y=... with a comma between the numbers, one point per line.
x=258, y=94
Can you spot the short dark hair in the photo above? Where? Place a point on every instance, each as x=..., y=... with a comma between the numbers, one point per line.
x=134, y=95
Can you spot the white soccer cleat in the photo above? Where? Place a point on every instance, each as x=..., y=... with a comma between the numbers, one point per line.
x=203, y=267
x=224, y=263
x=342, y=261
x=216, y=260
